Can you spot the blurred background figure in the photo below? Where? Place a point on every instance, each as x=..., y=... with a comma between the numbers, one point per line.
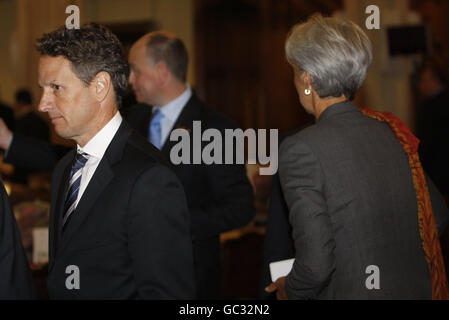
x=432, y=122
x=28, y=121
x=7, y=114
x=28, y=124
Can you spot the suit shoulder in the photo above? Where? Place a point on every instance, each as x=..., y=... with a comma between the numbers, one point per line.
x=140, y=149
x=138, y=110
x=213, y=119
x=297, y=140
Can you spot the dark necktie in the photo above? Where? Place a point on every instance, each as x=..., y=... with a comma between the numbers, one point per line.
x=74, y=185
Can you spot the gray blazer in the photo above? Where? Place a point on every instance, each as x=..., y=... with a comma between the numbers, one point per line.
x=352, y=204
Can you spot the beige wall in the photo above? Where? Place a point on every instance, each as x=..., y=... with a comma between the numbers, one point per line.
x=7, y=24
x=23, y=21
x=172, y=15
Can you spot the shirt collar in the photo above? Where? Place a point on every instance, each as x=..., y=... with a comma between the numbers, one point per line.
x=97, y=146
x=172, y=109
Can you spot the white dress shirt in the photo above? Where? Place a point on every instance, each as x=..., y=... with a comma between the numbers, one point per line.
x=171, y=112
x=95, y=148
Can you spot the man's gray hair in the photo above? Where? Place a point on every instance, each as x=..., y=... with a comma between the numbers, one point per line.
x=335, y=52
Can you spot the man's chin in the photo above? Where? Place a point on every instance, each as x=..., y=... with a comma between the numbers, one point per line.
x=63, y=133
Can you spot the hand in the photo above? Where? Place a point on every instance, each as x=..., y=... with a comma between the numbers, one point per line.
x=5, y=136
x=279, y=287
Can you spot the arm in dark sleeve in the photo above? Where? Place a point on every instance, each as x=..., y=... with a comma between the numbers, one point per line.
x=32, y=153
x=302, y=183
x=439, y=207
x=159, y=237
x=232, y=204
x=278, y=243
x=16, y=281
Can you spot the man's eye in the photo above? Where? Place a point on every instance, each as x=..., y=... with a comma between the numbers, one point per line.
x=56, y=87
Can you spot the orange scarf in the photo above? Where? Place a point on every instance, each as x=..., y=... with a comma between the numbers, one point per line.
x=427, y=226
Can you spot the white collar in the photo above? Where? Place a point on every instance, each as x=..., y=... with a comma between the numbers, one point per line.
x=97, y=146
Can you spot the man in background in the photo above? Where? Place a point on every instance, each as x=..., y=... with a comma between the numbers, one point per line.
x=28, y=124
x=7, y=115
x=219, y=197
x=432, y=121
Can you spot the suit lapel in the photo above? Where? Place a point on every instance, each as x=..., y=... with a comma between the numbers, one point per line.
x=55, y=218
x=101, y=178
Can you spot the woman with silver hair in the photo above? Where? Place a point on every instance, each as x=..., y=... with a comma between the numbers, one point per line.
x=361, y=216
x=330, y=59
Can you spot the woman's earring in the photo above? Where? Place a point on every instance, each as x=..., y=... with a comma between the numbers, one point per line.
x=307, y=92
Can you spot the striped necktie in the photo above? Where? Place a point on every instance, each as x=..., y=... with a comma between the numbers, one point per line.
x=156, y=130
x=74, y=185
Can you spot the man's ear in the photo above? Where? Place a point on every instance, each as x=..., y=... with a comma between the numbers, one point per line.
x=163, y=73
x=101, y=85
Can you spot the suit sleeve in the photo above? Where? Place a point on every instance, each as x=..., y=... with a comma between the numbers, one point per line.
x=32, y=153
x=160, y=243
x=303, y=186
x=232, y=203
x=16, y=281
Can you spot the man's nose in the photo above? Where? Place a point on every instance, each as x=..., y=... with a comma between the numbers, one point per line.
x=45, y=103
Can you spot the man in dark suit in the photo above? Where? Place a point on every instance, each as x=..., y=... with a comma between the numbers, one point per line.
x=119, y=225
x=432, y=118
x=16, y=281
x=219, y=196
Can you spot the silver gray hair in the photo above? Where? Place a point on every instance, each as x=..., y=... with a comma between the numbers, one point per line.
x=335, y=52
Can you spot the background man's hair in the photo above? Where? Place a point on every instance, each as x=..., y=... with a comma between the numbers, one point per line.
x=166, y=47
x=91, y=49
x=23, y=96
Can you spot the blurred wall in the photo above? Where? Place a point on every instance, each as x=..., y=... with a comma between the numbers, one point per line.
x=7, y=24
x=387, y=86
x=172, y=15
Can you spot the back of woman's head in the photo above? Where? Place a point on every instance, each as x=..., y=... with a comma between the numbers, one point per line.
x=335, y=52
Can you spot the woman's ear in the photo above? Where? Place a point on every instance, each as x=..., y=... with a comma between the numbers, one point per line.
x=307, y=80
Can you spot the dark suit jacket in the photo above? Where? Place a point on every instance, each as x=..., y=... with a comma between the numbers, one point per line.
x=32, y=125
x=29, y=125
x=32, y=153
x=16, y=281
x=349, y=189
x=432, y=120
x=130, y=233
x=7, y=114
x=219, y=197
